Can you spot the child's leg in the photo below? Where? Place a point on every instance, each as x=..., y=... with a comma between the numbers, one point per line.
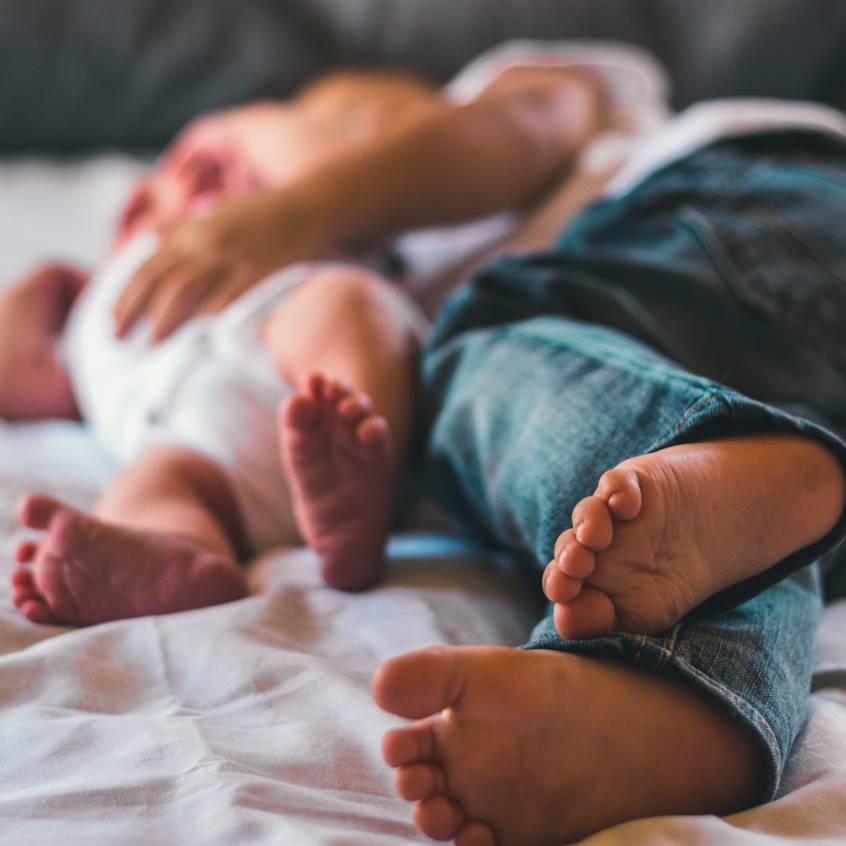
x=163, y=538
x=347, y=345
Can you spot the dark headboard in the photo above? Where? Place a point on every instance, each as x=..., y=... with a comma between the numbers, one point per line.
x=77, y=74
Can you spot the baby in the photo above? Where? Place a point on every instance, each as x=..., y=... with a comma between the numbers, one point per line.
x=285, y=417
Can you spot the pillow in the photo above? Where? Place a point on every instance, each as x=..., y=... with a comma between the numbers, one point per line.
x=130, y=73
x=78, y=74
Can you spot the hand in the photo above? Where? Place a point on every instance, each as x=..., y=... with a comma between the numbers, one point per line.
x=207, y=261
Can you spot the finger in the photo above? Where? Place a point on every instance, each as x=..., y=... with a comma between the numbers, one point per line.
x=223, y=292
x=141, y=289
x=138, y=205
x=176, y=300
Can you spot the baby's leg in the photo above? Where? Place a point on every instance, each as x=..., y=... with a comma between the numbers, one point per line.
x=164, y=537
x=347, y=345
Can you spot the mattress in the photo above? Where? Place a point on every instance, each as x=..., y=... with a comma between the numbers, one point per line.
x=251, y=723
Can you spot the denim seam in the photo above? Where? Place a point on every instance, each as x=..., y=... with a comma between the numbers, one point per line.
x=711, y=394
x=663, y=657
x=669, y=643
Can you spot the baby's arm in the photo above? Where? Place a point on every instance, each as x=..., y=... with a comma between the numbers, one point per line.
x=33, y=382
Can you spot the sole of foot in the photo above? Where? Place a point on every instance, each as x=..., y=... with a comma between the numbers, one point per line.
x=526, y=748
x=339, y=460
x=84, y=571
x=665, y=531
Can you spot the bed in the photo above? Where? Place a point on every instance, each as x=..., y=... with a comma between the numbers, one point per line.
x=251, y=723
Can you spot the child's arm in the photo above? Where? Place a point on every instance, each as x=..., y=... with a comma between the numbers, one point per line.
x=455, y=163
x=460, y=162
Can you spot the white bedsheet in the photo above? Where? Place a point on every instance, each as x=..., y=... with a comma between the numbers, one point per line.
x=251, y=724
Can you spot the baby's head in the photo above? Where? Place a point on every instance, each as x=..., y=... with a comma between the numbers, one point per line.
x=199, y=169
x=34, y=384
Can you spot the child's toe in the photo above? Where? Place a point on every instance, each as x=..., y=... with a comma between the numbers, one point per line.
x=620, y=488
x=475, y=833
x=592, y=523
x=420, y=781
x=576, y=560
x=590, y=614
x=558, y=587
x=438, y=818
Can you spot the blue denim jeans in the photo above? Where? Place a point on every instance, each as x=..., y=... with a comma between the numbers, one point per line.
x=710, y=300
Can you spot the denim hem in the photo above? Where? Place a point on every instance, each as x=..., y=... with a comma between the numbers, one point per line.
x=721, y=413
x=657, y=655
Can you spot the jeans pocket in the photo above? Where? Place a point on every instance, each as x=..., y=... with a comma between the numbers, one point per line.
x=776, y=269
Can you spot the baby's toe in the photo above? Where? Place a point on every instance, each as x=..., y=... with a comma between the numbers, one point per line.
x=300, y=413
x=353, y=408
x=315, y=385
x=36, y=611
x=25, y=553
x=37, y=510
x=335, y=390
x=373, y=432
x=25, y=593
x=22, y=577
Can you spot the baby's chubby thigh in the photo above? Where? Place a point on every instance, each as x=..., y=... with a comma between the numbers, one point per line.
x=226, y=410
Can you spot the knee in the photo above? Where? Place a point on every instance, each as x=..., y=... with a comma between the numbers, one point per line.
x=337, y=295
x=181, y=464
x=349, y=286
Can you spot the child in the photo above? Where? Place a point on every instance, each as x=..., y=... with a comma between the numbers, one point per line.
x=193, y=420
x=627, y=404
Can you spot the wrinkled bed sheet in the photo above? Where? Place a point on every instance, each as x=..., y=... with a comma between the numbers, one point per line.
x=251, y=723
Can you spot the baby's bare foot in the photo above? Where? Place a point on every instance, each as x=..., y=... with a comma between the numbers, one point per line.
x=528, y=748
x=339, y=459
x=665, y=531
x=84, y=571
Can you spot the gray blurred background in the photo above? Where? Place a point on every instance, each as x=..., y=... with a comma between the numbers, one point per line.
x=83, y=74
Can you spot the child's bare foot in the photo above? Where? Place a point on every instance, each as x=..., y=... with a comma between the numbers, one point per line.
x=84, y=571
x=527, y=748
x=665, y=531
x=339, y=459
